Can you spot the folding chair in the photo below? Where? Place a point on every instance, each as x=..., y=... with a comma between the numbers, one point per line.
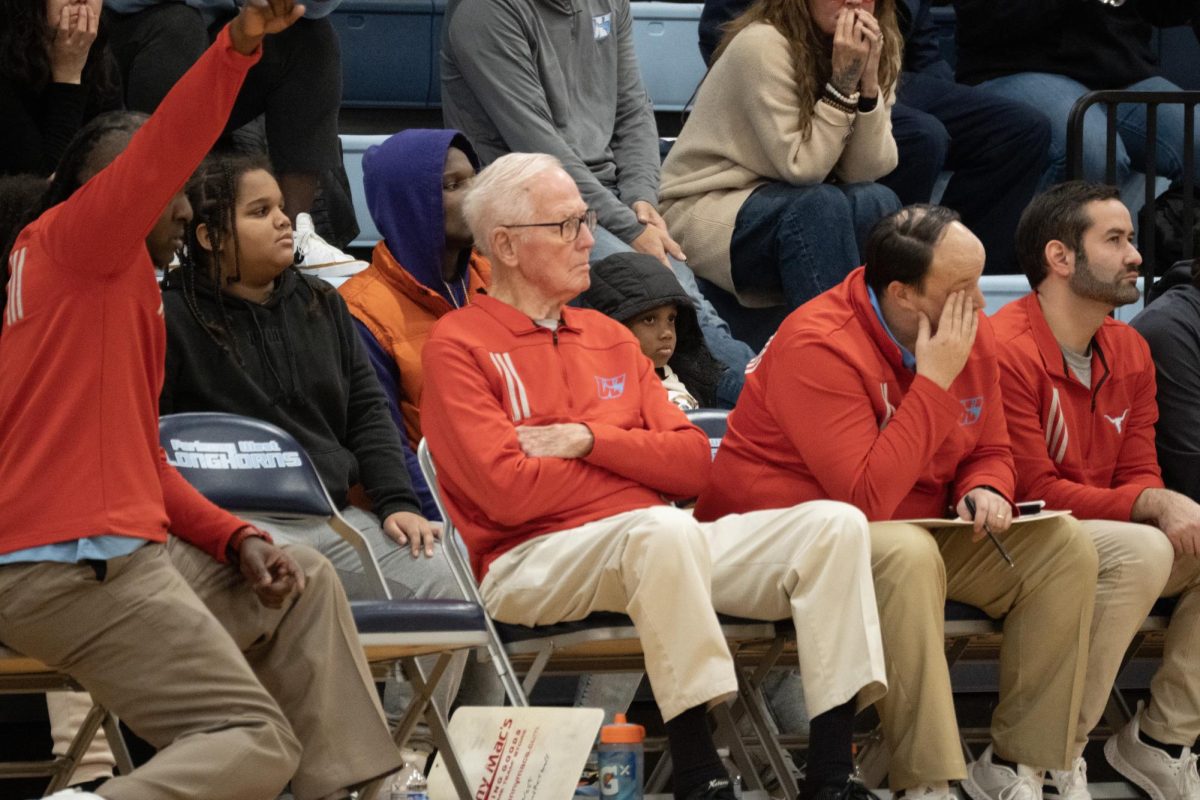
x=23, y=675
x=713, y=421
x=249, y=466
x=603, y=642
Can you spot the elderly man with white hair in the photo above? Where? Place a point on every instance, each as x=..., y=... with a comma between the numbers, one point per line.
x=558, y=452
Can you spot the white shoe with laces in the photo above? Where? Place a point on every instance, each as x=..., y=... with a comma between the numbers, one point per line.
x=987, y=780
x=1067, y=784
x=1152, y=770
x=318, y=257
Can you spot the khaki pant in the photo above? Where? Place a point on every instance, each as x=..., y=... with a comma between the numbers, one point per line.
x=1046, y=603
x=164, y=656
x=1137, y=566
x=809, y=562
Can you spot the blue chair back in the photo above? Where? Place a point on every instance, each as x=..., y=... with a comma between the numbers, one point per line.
x=713, y=421
x=244, y=464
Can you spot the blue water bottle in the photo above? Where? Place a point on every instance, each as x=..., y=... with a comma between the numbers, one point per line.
x=621, y=760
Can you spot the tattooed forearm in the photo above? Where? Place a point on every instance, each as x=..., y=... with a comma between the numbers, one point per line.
x=845, y=78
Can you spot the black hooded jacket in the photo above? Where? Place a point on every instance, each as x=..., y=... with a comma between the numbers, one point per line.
x=627, y=284
x=1171, y=325
x=295, y=361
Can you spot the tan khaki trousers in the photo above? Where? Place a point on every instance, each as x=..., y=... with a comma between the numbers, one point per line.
x=145, y=645
x=148, y=649
x=1173, y=715
x=1135, y=562
x=809, y=562
x=812, y=563
x=1137, y=566
x=308, y=657
x=1046, y=603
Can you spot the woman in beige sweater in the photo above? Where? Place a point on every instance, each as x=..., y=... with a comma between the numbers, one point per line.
x=768, y=189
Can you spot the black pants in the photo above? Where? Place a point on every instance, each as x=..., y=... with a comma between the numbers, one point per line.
x=297, y=85
x=996, y=148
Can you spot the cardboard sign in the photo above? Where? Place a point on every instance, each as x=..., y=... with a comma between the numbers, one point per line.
x=518, y=753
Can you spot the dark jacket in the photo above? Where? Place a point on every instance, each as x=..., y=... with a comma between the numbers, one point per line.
x=295, y=361
x=627, y=284
x=1101, y=46
x=1171, y=325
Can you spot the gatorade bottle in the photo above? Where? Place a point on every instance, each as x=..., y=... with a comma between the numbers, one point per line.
x=621, y=760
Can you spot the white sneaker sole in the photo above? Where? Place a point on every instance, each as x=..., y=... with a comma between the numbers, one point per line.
x=1113, y=754
x=341, y=269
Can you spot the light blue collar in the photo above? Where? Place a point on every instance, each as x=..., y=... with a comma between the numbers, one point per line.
x=908, y=359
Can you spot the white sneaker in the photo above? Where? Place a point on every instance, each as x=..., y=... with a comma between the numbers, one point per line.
x=1067, y=784
x=1151, y=769
x=987, y=780
x=927, y=791
x=318, y=257
x=73, y=794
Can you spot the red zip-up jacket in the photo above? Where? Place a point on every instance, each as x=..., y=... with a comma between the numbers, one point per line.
x=1088, y=449
x=83, y=342
x=830, y=412
x=489, y=368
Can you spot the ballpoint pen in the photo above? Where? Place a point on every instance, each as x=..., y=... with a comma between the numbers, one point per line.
x=970, y=504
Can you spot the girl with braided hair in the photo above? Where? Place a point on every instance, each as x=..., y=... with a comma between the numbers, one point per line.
x=248, y=334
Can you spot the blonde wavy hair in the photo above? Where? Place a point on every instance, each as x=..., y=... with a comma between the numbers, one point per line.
x=812, y=52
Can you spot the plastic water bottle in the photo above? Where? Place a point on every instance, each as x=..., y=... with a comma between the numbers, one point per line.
x=622, y=758
x=409, y=784
x=735, y=775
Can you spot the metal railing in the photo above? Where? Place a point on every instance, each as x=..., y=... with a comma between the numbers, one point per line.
x=1151, y=100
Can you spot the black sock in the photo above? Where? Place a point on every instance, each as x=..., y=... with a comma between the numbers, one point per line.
x=830, y=760
x=1173, y=750
x=693, y=754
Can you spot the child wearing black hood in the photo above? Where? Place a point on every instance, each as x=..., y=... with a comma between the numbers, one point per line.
x=634, y=289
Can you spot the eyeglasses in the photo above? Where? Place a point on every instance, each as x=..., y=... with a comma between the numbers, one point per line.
x=568, y=228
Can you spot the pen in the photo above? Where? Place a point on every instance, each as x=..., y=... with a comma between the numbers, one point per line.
x=970, y=504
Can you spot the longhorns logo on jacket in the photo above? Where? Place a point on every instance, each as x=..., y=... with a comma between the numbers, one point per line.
x=610, y=388
x=1118, y=422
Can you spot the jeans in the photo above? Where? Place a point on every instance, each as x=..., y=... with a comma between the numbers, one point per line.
x=997, y=149
x=296, y=83
x=802, y=240
x=1056, y=94
x=729, y=351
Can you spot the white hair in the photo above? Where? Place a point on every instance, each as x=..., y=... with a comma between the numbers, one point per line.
x=499, y=194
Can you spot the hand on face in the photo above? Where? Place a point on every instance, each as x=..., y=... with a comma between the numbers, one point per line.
x=941, y=356
x=74, y=32
x=857, y=44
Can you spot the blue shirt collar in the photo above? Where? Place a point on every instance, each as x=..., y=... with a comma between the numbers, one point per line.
x=908, y=359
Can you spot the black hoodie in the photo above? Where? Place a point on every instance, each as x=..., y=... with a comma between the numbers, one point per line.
x=627, y=284
x=295, y=361
x=1171, y=325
